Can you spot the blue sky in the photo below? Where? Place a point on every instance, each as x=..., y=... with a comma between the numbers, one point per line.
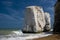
x=12, y=11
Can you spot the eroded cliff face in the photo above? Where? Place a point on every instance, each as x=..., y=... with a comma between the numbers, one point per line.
x=35, y=19
x=57, y=18
x=48, y=22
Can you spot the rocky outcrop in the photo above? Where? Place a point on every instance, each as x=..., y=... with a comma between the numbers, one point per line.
x=57, y=18
x=48, y=22
x=35, y=19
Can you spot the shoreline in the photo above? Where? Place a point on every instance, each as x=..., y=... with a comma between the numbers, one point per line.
x=51, y=37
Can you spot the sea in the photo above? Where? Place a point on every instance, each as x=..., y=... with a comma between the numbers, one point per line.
x=19, y=35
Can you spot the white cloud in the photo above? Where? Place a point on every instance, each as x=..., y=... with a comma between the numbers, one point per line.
x=21, y=18
x=51, y=9
x=14, y=13
x=4, y=16
x=7, y=21
x=7, y=3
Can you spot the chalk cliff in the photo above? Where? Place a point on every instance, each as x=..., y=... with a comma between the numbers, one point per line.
x=35, y=19
x=48, y=22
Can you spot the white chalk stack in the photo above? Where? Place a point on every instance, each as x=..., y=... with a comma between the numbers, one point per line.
x=36, y=19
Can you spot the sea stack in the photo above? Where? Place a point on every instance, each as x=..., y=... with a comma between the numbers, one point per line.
x=48, y=22
x=36, y=20
x=57, y=18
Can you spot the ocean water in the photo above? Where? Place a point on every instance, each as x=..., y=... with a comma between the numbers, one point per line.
x=19, y=35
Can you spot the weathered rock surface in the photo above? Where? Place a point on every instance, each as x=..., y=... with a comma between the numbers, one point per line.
x=48, y=22
x=35, y=19
x=57, y=18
